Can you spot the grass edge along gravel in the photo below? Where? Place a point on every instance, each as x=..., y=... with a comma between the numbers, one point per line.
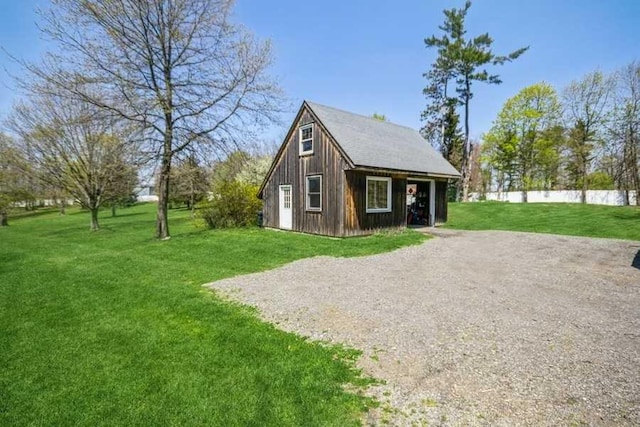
x=114, y=327
x=613, y=222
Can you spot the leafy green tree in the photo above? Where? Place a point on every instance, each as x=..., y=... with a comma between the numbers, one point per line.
x=500, y=151
x=379, y=117
x=549, y=147
x=600, y=180
x=462, y=59
x=522, y=141
x=586, y=112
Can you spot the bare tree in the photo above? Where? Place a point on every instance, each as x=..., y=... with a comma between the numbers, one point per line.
x=179, y=69
x=624, y=130
x=13, y=185
x=479, y=177
x=586, y=108
x=72, y=146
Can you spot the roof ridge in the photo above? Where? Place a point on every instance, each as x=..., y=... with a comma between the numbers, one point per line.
x=312, y=103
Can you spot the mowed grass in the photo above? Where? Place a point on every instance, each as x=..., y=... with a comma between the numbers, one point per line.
x=619, y=222
x=114, y=327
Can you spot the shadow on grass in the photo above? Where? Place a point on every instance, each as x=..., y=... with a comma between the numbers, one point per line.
x=19, y=214
x=122, y=214
x=635, y=216
x=636, y=261
x=67, y=231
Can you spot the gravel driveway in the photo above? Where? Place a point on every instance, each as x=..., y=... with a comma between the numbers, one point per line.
x=475, y=328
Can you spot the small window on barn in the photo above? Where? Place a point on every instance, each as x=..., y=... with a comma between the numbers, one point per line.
x=378, y=194
x=306, y=139
x=314, y=193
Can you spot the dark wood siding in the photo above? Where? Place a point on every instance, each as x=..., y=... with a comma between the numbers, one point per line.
x=343, y=190
x=293, y=169
x=441, y=202
x=357, y=220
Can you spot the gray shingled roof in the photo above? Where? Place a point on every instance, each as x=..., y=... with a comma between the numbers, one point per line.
x=376, y=144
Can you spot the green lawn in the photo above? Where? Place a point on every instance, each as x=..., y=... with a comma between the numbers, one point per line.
x=620, y=222
x=114, y=327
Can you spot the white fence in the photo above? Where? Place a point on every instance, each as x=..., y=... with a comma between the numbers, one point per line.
x=149, y=198
x=44, y=203
x=594, y=197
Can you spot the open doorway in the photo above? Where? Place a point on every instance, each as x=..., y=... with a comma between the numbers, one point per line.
x=420, y=203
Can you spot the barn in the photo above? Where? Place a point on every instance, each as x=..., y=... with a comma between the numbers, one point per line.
x=342, y=174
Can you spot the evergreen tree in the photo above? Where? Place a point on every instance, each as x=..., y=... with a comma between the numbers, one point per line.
x=464, y=60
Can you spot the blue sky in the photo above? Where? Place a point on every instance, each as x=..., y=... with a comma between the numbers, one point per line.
x=369, y=56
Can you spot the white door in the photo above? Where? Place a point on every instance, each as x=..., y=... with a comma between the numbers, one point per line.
x=286, y=212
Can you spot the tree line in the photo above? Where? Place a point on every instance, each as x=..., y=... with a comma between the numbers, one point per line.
x=585, y=137
x=131, y=83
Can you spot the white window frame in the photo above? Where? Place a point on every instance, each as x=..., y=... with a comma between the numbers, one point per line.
x=306, y=194
x=388, y=180
x=309, y=126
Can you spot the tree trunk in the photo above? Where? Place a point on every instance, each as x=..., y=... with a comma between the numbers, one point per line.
x=63, y=206
x=634, y=159
x=466, y=180
x=466, y=162
x=499, y=184
x=162, y=224
x=192, y=200
x=94, y=219
x=4, y=218
x=113, y=210
x=524, y=183
x=585, y=183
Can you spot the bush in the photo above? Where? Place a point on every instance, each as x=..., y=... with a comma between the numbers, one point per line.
x=599, y=180
x=232, y=204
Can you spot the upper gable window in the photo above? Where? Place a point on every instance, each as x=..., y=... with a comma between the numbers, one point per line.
x=306, y=139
